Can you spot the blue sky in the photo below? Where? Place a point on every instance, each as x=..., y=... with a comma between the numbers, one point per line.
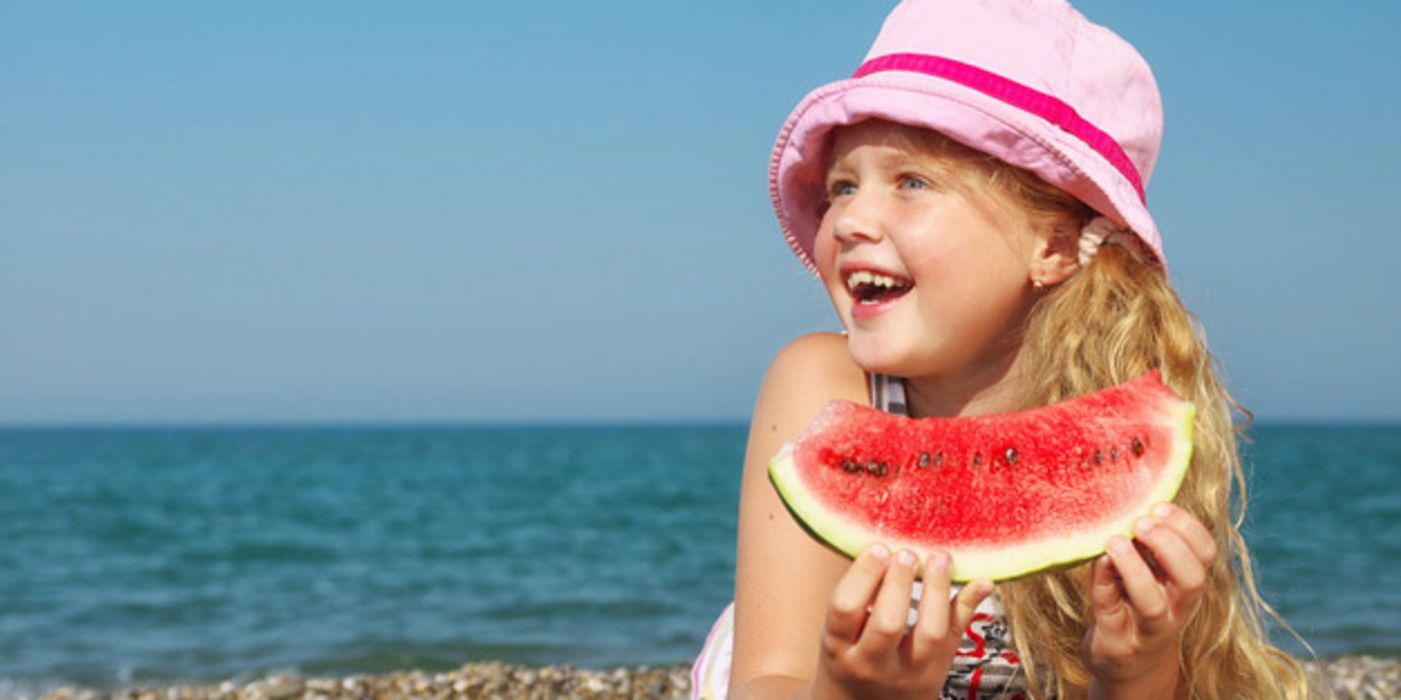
x=264, y=212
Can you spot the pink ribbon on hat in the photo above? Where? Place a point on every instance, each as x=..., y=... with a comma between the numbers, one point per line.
x=1016, y=94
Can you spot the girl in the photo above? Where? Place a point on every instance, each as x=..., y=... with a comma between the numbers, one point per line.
x=973, y=201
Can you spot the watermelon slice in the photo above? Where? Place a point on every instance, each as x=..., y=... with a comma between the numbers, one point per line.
x=1006, y=495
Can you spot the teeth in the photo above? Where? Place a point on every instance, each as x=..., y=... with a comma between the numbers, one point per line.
x=861, y=277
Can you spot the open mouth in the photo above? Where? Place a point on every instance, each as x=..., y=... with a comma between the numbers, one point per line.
x=872, y=288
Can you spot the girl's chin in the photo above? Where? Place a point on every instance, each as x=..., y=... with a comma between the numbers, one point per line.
x=873, y=354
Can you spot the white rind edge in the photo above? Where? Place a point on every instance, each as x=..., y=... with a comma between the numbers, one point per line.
x=1002, y=563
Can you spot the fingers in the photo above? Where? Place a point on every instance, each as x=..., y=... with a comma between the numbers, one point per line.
x=967, y=603
x=1192, y=531
x=1162, y=578
x=846, y=613
x=891, y=612
x=1144, y=592
x=1174, y=556
x=942, y=621
x=1104, y=588
x=869, y=649
x=1142, y=587
x=932, y=627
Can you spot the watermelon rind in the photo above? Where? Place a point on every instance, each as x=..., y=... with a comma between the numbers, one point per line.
x=999, y=562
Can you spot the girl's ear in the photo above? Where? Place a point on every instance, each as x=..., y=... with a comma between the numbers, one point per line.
x=1055, y=257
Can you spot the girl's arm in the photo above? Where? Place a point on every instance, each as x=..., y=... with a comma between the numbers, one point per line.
x=809, y=622
x=783, y=577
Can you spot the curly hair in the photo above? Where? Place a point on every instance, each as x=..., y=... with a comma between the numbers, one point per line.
x=1111, y=321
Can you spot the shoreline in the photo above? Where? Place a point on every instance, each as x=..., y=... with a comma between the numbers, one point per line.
x=1350, y=677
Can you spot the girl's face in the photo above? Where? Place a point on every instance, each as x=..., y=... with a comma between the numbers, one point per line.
x=930, y=277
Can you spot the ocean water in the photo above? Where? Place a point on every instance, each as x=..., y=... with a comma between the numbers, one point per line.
x=155, y=555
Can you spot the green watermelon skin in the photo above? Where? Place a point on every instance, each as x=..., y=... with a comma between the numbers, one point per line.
x=1006, y=495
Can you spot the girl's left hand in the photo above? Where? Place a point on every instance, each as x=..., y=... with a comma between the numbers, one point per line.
x=1141, y=607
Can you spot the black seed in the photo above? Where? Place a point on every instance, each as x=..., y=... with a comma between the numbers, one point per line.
x=1137, y=447
x=850, y=467
x=1099, y=457
x=882, y=468
x=977, y=460
x=938, y=459
x=1114, y=454
x=1011, y=455
x=924, y=459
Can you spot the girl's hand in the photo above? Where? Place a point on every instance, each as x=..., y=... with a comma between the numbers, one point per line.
x=869, y=650
x=1141, y=605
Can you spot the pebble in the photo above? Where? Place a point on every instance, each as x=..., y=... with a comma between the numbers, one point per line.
x=1350, y=678
x=1361, y=677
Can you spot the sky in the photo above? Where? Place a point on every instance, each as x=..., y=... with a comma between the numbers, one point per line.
x=350, y=212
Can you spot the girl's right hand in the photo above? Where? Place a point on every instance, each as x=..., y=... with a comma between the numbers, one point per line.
x=868, y=648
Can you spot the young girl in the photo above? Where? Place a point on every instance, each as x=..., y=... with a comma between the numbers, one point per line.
x=973, y=201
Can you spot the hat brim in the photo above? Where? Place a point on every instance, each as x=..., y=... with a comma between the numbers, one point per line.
x=797, y=168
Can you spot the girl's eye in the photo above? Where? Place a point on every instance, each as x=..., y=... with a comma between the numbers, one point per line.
x=914, y=182
x=840, y=188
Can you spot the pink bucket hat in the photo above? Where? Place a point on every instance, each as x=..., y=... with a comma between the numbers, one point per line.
x=1031, y=82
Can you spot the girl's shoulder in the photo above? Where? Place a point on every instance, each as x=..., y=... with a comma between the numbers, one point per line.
x=807, y=373
x=826, y=348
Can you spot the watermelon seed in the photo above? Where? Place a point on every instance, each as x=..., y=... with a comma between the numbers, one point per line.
x=923, y=459
x=1114, y=454
x=1011, y=455
x=938, y=459
x=877, y=468
x=977, y=460
x=850, y=467
x=1137, y=447
x=1099, y=457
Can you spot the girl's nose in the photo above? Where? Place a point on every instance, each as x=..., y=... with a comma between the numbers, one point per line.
x=859, y=220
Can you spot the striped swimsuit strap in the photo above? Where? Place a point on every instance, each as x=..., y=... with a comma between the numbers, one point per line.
x=888, y=394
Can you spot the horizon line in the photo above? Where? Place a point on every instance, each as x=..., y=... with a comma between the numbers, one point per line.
x=517, y=423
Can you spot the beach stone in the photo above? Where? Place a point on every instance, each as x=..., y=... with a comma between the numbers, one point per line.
x=1360, y=677
x=322, y=685
x=354, y=684
x=1349, y=678
x=283, y=687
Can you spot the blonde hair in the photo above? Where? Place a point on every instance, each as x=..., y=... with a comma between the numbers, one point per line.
x=1110, y=322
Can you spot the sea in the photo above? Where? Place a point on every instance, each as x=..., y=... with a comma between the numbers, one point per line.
x=157, y=555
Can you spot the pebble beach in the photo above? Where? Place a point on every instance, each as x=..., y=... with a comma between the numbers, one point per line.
x=1349, y=678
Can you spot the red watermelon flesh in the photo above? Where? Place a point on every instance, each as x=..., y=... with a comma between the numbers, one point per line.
x=1006, y=495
